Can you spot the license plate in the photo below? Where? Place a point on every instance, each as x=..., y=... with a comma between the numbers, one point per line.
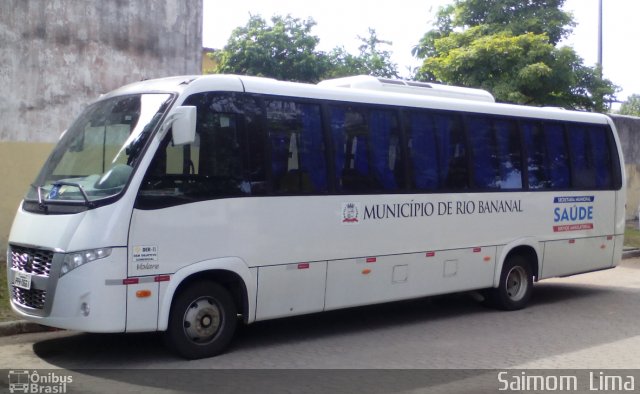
x=22, y=280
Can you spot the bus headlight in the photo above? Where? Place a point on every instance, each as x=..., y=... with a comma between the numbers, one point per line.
x=74, y=260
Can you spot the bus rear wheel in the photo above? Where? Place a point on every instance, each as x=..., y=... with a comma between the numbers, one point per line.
x=202, y=321
x=516, y=285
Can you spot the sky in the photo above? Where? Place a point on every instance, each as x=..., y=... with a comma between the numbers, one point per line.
x=404, y=22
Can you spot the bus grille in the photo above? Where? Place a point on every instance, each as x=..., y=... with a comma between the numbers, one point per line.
x=33, y=298
x=32, y=261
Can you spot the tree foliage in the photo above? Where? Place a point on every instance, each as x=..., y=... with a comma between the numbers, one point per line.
x=286, y=49
x=631, y=107
x=509, y=48
x=517, y=16
x=371, y=60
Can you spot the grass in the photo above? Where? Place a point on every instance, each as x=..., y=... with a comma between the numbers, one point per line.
x=5, y=310
x=632, y=237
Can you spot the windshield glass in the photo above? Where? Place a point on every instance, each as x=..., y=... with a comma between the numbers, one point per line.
x=96, y=155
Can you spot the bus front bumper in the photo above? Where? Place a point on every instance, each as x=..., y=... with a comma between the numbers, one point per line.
x=85, y=299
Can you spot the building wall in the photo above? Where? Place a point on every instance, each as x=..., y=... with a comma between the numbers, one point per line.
x=56, y=56
x=629, y=132
x=20, y=162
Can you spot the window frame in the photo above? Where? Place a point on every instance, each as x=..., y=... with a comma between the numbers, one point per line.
x=404, y=171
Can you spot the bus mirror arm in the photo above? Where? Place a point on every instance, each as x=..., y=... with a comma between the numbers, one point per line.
x=183, y=123
x=88, y=203
x=41, y=203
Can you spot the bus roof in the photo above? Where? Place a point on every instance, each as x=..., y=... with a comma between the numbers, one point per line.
x=409, y=87
x=359, y=89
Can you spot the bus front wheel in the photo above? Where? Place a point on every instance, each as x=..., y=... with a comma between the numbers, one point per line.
x=516, y=285
x=202, y=321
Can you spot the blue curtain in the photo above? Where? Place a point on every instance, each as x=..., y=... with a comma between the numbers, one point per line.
x=361, y=156
x=338, y=117
x=380, y=129
x=590, y=156
x=557, y=156
x=601, y=156
x=583, y=176
x=312, y=158
x=539, y=173
x=484, y=165
x=280, y=154
x=424, y=156
x=446, y=148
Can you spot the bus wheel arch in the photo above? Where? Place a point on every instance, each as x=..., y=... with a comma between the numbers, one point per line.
x=229, y=280
x=231, y=272
x=202, y=319
x=203, y=312
x=515, y=284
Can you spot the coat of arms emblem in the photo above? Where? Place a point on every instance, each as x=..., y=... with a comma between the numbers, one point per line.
x=350, y=213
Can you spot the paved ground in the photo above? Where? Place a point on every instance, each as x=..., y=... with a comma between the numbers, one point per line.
x=588, y=321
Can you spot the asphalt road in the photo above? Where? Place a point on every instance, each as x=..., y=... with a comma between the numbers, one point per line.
x=589, y=321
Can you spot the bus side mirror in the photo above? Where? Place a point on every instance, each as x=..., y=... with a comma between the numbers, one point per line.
x=183, y=123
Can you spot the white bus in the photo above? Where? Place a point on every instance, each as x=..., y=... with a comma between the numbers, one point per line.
x=189, y=204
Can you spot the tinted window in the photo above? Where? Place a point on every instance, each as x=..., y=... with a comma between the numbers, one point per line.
x=437, y=151
x=226, y=159
x=297, y=147
x=366, y=148
x=496, y=153
x=590, y=157
x=547, y=155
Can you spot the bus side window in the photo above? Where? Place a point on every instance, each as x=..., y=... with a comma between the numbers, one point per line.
x=437, y=151
x=590, y=157
x=496, y=153
x=351, y=150
x=454, y=173
x=547, y=155
x=225, y=160
x=366, y=148
x=298, y=162
x=602, y=156
x=220, y=148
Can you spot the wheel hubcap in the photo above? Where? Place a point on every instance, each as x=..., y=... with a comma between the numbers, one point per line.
x=202, y=320
x=516, y=283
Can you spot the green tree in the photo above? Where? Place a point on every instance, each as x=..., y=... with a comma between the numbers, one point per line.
x=631, y=107
x=371, y=59
x=517, y=16
x=284, y=49
x=509, y=48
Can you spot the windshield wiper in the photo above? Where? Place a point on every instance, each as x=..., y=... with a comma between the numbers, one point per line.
x=87, y=202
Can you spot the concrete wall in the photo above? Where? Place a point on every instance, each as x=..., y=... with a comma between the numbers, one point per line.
x=20, y=162
x=629, y=133
x=56, y=56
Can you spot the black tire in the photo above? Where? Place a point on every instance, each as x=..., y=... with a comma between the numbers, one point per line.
x=516, y=285
x=202, y=321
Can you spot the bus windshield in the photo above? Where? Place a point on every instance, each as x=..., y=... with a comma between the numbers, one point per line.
x=95, y=157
